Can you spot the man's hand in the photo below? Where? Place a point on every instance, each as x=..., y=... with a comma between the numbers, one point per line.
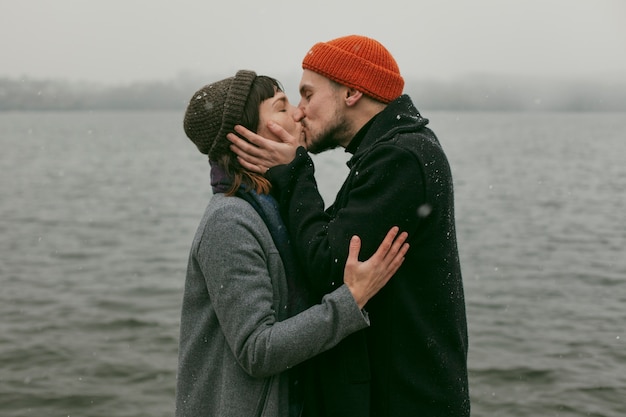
x=262, y=154
x=365, y=279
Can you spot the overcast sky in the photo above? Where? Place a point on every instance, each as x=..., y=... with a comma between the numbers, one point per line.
x=121, y=41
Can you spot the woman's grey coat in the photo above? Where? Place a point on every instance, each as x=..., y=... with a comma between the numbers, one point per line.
x=235, y=336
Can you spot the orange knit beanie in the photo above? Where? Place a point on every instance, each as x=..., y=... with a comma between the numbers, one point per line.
x=358, y=62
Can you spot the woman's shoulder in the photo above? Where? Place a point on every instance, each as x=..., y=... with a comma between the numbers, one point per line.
x=231, y=211
x=230, y=218
x=223, y=205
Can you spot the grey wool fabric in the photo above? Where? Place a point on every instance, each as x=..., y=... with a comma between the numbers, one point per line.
x=214, y=110
x=236, y=340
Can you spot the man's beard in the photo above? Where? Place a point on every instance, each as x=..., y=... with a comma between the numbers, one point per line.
x=329, y=138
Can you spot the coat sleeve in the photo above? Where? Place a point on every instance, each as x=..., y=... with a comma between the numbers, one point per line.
x=237, y=265
x=385, y=188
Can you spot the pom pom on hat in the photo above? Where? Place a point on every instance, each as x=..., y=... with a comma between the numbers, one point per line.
x=358, y=62
x=214, y=110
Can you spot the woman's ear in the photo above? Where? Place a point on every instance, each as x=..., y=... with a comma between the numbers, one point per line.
x=352, y=96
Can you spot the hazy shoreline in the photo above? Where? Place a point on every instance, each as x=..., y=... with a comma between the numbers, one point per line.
x=470, y=93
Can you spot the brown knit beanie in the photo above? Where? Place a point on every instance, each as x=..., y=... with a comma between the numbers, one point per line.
x=358, y=62
x=214, y=110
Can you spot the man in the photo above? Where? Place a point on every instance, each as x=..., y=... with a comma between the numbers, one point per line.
x=412, y=361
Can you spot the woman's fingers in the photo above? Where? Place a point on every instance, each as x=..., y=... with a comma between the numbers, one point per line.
x=391, y=245
x=398, y=246
x=396, y=261
x=365, y=279
x=386, y=244
x=391, y=252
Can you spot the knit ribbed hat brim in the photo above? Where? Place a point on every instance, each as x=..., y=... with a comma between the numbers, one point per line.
x=214, y=110
x=357, y=62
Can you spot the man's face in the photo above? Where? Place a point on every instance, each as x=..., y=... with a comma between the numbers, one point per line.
x=279, y=110
x=321, y=111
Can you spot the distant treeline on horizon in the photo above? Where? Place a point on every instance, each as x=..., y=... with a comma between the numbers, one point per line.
x=471, y=93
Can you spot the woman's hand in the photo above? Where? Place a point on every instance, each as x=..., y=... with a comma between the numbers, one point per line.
x=365, y=279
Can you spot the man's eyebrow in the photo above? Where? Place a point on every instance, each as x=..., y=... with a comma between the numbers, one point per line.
x=304, y=88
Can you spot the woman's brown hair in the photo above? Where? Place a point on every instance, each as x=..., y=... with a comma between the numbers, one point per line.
x=262, y=88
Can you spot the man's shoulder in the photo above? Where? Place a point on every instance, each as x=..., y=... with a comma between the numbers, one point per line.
x=417, y=138
x=415, y=141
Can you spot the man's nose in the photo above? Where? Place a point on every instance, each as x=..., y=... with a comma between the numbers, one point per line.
x=298, y=114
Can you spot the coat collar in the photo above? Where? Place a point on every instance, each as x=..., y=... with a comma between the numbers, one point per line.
x=399, y=116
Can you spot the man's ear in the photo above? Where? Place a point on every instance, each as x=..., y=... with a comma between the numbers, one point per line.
x=352, y=96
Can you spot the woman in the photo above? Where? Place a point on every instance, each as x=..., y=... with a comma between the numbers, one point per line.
x=245, y=318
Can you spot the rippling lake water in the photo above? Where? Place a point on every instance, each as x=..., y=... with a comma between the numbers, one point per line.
x=98, y=211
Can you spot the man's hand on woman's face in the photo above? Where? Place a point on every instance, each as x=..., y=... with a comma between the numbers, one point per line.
x=260, y=154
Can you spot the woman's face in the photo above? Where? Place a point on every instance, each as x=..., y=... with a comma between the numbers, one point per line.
x=279, y=110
